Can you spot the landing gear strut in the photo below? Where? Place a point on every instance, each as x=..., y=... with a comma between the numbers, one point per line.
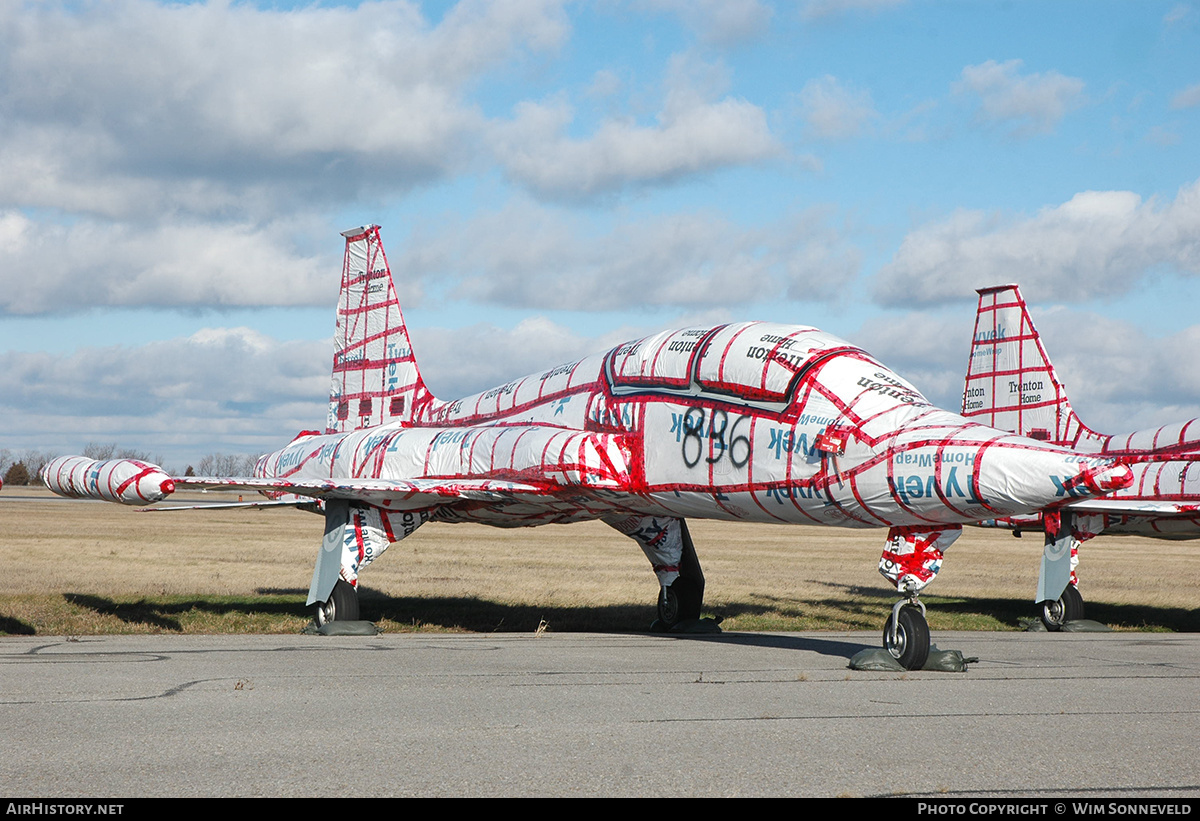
x=906, y=634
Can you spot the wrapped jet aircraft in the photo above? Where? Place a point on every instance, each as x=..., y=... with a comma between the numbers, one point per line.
x=750, y=421
x=1012, y=385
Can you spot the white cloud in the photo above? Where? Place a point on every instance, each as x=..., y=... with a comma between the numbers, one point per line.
x=218, y=99
x=224, y=107
x=171, y=154
x=181, y=171
x=928, y=349
x=533, y=257
x=813, y=9
x=1097, y=243
x=1120, y=379
x=693, y=133
x=457, y=362
x=833, y=111
x=1029, y=104
x=52, y=268
x=605, y=83
x=1179, y=13
x=232, y=390
x=720, y=22
x=1187, y=98
x=1163, y=135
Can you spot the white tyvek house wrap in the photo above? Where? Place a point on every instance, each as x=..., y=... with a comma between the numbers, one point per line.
x=375, y=378
x=912, y=557
x=660, y=542
x=1012, y=385
x=369, y=532
x=750, y=421
x=1010, y=382
x=553, y=457
x=126, y=481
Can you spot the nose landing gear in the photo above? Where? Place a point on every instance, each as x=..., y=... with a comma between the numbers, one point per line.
x=911, y=559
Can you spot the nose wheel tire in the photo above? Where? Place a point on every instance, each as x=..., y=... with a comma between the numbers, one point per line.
x=1068, y=607
x=910, y=646
x=342, y=605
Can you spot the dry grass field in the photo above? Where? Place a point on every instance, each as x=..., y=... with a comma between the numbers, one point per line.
x=78, y=568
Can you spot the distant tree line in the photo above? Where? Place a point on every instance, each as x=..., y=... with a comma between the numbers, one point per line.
x=24, y=467
x=221, y=464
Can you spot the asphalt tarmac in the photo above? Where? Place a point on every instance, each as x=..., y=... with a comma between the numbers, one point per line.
x=1037, y=715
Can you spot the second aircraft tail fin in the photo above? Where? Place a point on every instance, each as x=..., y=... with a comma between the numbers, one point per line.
x=1011, y=384
x=375, y=375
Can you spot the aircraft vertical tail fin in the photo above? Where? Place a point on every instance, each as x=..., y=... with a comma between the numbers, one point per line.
x=1011, y=384
x=375, y=375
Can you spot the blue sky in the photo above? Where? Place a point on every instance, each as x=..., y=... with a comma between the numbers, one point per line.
x=553, y=178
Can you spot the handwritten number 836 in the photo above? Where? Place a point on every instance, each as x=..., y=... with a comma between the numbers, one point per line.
x=727, y=442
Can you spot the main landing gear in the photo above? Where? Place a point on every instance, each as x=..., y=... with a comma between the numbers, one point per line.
x=681, y=601
x=1061, y=554
x=355, y=535
x=668, y=545
x=342, y=605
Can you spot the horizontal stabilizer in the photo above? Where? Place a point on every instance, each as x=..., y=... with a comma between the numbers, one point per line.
x=1135, y=507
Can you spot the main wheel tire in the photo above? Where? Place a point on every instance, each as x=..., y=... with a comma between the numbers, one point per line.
x=668, y=607
x=911, y=646
x=1068, y=607
x=342, y=605
x=680, y=602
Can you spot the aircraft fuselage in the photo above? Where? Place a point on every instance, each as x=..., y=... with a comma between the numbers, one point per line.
x=754, y=421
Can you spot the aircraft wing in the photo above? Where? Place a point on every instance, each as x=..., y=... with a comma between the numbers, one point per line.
x=258, y=504
x=583, y=464
x=407, y=494
x=1134, y=507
